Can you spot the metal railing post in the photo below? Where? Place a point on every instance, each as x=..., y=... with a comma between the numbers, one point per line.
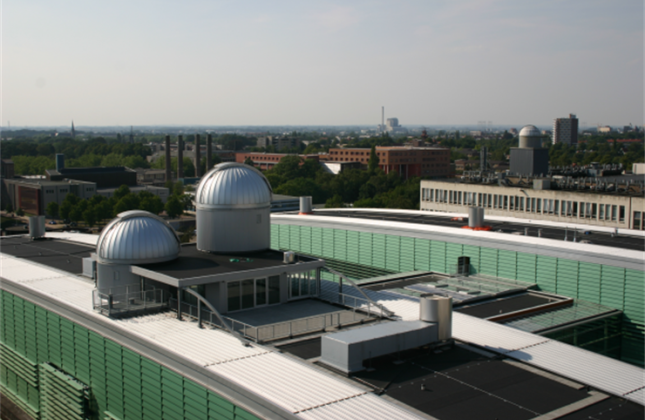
x=199, y=313
x=179, y=303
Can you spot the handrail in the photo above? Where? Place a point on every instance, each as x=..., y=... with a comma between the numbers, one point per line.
x=387, y=312
x=213, y=310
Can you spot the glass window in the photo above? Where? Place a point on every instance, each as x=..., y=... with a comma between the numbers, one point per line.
x=556, y=205
x=613, y=213
x=594, y=210
x=521, y=203
x=621, y=214
x=274, y=290
x=261, y=291
x=247, y=294
x=602, y=212
x=304, y=284
x=295, y=285
x=574, y=211
x=637, y=220
x=608, y=212
x=233, y=296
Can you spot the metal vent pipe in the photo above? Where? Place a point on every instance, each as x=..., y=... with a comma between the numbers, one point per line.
x=305, y=205
x=36, y=227
x=437, y=309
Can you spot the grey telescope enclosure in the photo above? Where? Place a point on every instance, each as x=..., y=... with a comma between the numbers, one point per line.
x=233, y=185
x=137, y=237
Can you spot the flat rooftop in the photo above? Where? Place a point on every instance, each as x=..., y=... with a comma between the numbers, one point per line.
x=60, y=254
x=194, y=263
x=622, y=241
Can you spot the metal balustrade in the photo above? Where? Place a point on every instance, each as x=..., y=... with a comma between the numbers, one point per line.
x=280, y=330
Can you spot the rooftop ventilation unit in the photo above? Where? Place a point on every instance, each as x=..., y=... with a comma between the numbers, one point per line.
x=36, y=227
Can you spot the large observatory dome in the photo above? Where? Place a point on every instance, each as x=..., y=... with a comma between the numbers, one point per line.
x=137, y=237
x=233, y=185
x=530, y=137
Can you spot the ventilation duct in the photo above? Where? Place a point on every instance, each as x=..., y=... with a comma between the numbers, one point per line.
x=36, y=227
x=438, y=309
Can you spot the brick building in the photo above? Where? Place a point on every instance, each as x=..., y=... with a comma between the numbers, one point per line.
x=265, y=161
x=407, y=161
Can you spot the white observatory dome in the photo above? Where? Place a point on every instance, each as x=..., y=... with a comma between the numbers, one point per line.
x=233, y=185
x=530, y=131
x=233, y=204
x=137, y=237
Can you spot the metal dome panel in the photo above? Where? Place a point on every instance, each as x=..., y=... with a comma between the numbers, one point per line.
x=137, y=237
x=233, y=185
x=530, y=131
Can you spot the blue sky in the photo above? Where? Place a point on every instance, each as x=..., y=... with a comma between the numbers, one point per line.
x=332, y=63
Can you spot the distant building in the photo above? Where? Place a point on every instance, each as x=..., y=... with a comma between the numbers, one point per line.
x=530, y=158
x=279, y=143
x=605, y=130
x=104, y=177
x=609, y=209
x=33, y=195
x=565, y=130
x=407, y=161
x=265, y=161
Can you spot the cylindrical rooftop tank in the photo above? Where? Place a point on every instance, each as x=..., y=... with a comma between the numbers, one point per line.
x=36, y=227
x=530, y=137
x=233, y=204
x=137, y=237
x=305, y=205
x=438, y=309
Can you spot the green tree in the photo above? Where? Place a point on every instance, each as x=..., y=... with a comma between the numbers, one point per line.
x=121, y=192
x=335, y=202
x=173, y=207
x=52, y=209
x=20, y=212
x=152, y=204
x=65, y=209
x=248, y=161
x=8, y=207
x=90, y=216
x=104, y=210
x=372, y=164
x=301, y=187
x=127, y=202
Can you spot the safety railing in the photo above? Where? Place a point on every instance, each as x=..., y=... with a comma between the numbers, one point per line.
x=128, y=302
x=279, y=330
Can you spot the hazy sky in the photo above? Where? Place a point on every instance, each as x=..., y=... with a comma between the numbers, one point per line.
x=428, y=62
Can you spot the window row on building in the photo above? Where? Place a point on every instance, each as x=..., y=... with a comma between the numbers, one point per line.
x=555, y=205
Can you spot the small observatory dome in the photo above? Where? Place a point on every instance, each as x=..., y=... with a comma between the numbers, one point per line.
x=137, y=237
x=233, y=204
x=530, y=136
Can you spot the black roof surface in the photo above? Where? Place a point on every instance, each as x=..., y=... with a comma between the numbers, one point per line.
x=194, y=263
x=461, y=384
x=53, y=253
x=427, y=218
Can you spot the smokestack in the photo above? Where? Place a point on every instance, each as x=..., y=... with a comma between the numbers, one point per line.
x=483, y=159
x=209, y=152
x=180, y=156
x=198, y=157
x=382, y=118
x=168, y=172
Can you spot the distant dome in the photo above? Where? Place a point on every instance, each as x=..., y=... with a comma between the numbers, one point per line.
x=233, y=185
x=137, y=237
x=530, y=131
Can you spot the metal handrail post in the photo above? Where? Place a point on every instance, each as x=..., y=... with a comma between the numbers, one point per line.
x=199, y=313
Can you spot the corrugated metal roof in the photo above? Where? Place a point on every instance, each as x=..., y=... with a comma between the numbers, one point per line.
x=21, y=270
x=366, y=406
x=204, y=347
x=589, y=368
x=637, y=396
x=494, y=337
x=82, y=238
x=291, y=384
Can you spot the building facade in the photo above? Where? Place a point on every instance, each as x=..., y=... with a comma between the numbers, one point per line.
x=33, y=196
x=279, y=143
x=266, y=161
x=565, y=130
x=407, y=161
x=611, y=210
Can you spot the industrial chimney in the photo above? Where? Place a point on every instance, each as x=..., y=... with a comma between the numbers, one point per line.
x=198, y=157
x=209, y=152
x=168, y=171
x=180, y=156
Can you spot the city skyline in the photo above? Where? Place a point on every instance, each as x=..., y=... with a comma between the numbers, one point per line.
x=323, y=64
